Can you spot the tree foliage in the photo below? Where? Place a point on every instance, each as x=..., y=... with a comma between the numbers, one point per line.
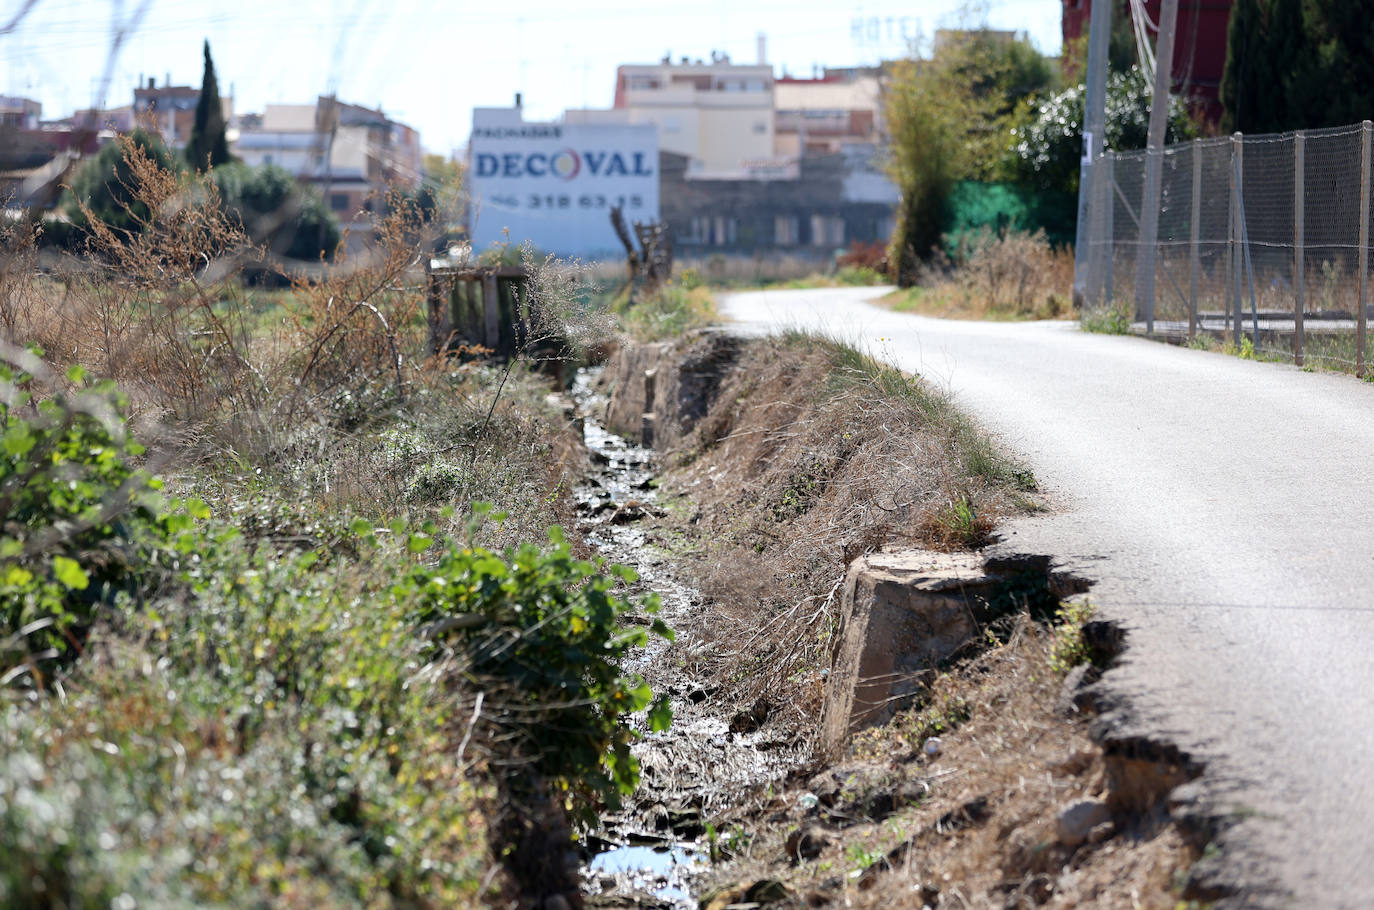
x=1048, y=149
x=1298, y=64
x=207, y=146
x=289, y=218
x=106, y=188
x=948, y=119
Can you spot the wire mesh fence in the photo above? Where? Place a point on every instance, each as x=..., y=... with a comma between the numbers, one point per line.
x=1262, y=243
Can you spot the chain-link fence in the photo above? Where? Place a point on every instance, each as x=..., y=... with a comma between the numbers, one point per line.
x=1262, y=241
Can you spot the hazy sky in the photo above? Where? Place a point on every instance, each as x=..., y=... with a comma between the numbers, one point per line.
x=429, y=64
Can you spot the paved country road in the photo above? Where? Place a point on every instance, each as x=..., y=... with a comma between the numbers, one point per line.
x=1225, y=510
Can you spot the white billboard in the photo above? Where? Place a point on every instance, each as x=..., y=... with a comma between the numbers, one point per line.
x=554, y=184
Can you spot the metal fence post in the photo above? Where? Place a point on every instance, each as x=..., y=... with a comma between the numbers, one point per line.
x=1299, y=238
x=1108, y=223
x=1195, y=263
x=1234, y=256
x=1366, y=129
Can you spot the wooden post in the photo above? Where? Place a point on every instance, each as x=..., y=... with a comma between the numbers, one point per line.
x=491, y=311
x=1299, y=240
x=1366, y=130
x=1194, y=228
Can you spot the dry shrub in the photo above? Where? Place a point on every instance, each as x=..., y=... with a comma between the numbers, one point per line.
x=1008, y=275
x=319, y=377
x=983, y=834
x=812, y=455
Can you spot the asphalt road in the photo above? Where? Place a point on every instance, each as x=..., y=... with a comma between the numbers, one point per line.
x=1223, y=509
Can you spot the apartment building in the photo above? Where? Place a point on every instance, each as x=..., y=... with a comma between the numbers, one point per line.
x=821, y=115
x=171, y=110
x=351, y=153
x=21, y=113
x=715, y=113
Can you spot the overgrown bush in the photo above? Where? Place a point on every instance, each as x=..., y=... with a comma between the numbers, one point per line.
x=80, y=521
x=669, y=311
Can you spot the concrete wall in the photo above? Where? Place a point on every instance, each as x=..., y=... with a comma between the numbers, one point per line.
x=827, y=207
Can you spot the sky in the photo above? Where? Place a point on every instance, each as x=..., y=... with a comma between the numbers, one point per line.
x=429, y=64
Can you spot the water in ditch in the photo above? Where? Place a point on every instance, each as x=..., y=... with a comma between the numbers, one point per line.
x=649, y=853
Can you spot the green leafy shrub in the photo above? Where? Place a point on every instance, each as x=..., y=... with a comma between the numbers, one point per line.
x=79, y=518
x=548, y=626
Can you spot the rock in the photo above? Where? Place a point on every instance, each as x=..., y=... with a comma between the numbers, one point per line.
x=634, y=510
x=1077, y=820
x=1101, y=832
x=865, y=792
x=902, y=612
x=750, y=720
x=767, y=891
x=1073, y=764
x=807, y=842
x=1068, y=704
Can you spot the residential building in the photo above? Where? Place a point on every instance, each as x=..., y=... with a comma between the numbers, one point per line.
x=171, y=110
x=1199, y=44
x=717, y=114
x=819, y=116
x=834, y=199
x=22, y=113
x=353, y=154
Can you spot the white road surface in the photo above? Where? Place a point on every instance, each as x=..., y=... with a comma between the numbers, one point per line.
x=1225, y=511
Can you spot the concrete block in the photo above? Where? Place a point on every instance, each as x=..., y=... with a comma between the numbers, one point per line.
x=902, y=612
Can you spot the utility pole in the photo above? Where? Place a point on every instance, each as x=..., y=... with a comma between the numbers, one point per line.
x=1154, y=166
x=1094, y=120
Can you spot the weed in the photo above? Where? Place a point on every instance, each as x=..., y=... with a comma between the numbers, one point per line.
x=861, y=856
x=1113, y=319
x=1068, y=647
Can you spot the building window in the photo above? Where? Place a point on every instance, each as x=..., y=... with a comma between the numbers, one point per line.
x=338, y=201
x=827, y=231
x=723, y=231
x=786, y=230
x=267, y=159
x=760, y=127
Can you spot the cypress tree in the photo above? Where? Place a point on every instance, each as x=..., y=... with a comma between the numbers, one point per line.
x=1342, y=34
x=1245, y=79
x=207, y=146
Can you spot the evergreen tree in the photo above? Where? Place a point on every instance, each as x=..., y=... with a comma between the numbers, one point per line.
x=207, y=147
x=1288, y=53
x=106, y=189
x=1246, y=81
x=1342, y=33
x=1298, y=64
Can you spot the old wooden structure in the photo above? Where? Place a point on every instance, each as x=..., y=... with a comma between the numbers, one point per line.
x=480, y=309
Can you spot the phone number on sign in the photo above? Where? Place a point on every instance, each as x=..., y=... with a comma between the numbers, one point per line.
x=535, y=201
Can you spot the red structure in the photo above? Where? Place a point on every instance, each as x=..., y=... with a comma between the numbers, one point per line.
x=1199, y=44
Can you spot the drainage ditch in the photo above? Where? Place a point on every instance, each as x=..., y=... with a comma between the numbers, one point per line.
x=647, y=854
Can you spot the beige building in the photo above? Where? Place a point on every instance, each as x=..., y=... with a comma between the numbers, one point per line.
x=820, y=116
x=351, y=153
x=716, y=113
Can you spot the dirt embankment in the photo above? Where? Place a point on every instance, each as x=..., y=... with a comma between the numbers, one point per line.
x=781, y=463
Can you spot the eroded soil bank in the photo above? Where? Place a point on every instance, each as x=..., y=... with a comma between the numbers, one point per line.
x=777, y=464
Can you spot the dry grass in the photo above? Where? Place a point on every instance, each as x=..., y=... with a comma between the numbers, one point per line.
x=1010, y=276
x=983, y=834
x=811, y=456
